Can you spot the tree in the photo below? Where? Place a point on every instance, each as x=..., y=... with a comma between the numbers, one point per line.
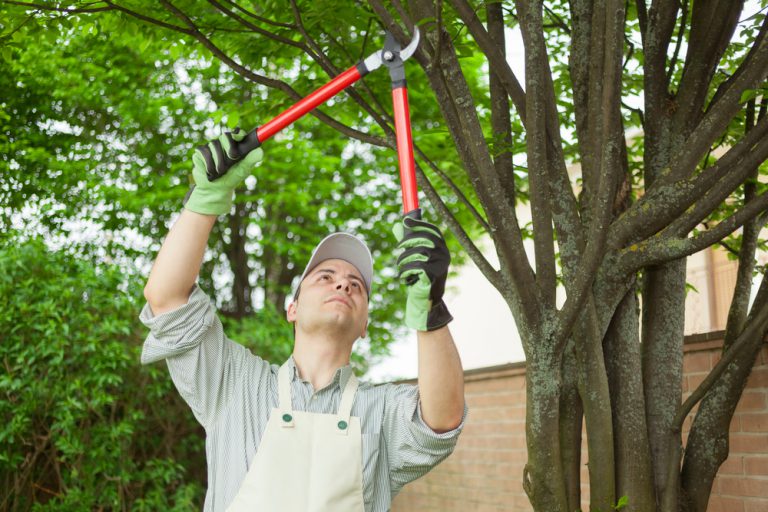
x=617, y=239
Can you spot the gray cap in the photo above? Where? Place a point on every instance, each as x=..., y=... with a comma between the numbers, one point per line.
x=343, y=246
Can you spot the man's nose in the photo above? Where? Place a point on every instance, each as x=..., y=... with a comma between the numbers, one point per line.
x=343, y=284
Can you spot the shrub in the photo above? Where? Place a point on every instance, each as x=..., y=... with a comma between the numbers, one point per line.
x=83, y=425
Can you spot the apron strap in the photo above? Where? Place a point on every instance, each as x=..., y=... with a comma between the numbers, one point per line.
x=347, y=398
x=284, y=388
x=286, y=407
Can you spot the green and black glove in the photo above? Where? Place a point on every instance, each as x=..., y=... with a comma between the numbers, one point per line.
x=218, y=168
x=423, y=268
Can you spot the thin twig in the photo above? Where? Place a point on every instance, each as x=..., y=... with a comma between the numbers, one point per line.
x=259, y=18
x=439, y=41
x=9, y=34
x=678, y=44
x=148, y=19
x=317, y=53
x=257, y=29
x=458, y=230
x=59, y=9
x=558, y=21
x=456, y=190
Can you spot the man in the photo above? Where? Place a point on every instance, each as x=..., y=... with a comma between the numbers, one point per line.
x=304, y=436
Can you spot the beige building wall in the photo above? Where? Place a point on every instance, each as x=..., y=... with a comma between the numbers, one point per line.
x=712, y=277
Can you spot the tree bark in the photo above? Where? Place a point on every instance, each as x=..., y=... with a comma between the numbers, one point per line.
x=571, y=420
x=543, y=478
x=596, y=400
x=662, y=352
x=707, y=446
x=634, y=476
x=238, y=260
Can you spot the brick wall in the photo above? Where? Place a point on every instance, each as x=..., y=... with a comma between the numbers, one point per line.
x=484, y=474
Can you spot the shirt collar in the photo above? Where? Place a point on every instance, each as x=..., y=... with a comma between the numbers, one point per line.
x=340, y=377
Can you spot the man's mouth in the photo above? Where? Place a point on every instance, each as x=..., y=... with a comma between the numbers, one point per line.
x=339, y=298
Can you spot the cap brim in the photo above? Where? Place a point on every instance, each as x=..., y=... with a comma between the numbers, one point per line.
x=343, y=246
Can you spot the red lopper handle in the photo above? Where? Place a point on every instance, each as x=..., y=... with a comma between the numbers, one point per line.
x=405, y=149
x=304, y=105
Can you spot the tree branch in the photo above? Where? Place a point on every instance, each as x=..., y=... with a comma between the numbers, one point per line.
x=496, y=59
x=660, y=25
x=456, y=190
x=317, y=52
x=501, y=122
x=752, y=71
x=148, y=19
x=664, y=202
x=642, y=16
x=679, y=43
x=729, y=225
x=259, y=79
x=756, y=327
x=737, y=313
x=458, y=231
x=712, y=25
x=663, y=249
x=258, y=18
x=557, y=20
x=536, y=134
x=259, y=30
x=59, y=9
x=609, y=135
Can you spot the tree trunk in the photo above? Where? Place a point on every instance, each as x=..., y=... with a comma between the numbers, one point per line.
x=543, y=478
x=571, y=420
x=662, y=353
x=238, y=260
x=595, y=397
x=707, y=446
x=634, y=477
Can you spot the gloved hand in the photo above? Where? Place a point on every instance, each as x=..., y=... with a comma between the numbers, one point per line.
x=218, y=168
x=423, y=268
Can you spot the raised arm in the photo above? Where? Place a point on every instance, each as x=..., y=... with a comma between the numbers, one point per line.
x=441, y=380
x=423, y=268
x=178, y=263
x=218, y=168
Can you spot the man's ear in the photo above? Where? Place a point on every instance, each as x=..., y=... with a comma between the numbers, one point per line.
x=365, y=329
x=290, y=313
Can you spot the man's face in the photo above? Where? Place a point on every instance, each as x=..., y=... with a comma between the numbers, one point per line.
x=333, y=295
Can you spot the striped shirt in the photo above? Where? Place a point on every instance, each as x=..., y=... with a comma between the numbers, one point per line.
x=232, y=393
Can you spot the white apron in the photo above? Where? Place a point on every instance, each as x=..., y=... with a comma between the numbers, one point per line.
x=306, y=462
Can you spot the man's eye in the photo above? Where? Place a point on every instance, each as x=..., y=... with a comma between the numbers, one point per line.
x=355, y=284
x=325, y=277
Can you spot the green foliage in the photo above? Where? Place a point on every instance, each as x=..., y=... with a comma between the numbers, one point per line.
x=266, y=333
x=107, y=142
x=83, y=427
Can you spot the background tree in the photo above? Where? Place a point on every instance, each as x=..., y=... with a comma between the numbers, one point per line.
x=680, y=78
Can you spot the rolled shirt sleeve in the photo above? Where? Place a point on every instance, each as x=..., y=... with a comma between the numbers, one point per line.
x=413, y=448
x=204, y=364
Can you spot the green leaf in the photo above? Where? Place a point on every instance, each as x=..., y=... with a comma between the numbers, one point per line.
x=748, y=95
x=175, y=51
x=232, y=119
